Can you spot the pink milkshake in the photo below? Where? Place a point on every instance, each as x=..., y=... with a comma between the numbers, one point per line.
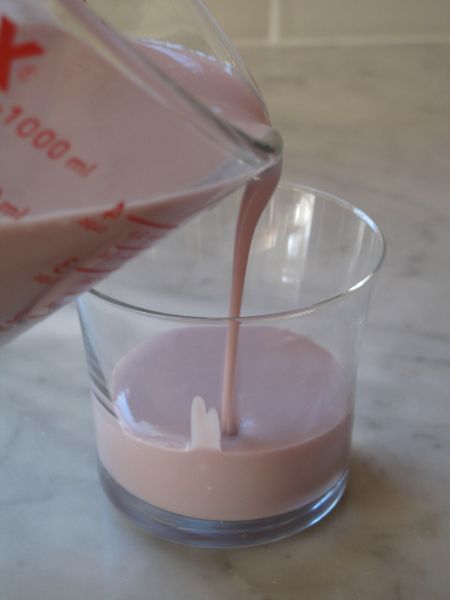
x=294, y=424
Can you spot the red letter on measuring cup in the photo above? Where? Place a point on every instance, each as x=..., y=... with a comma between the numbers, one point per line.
x=10, y=52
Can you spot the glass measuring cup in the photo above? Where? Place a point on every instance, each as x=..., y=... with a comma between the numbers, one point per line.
x=111, y=137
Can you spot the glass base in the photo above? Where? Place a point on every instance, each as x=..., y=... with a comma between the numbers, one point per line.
x=219, y=534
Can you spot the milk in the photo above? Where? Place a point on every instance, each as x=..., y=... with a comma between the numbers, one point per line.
x=294, y=429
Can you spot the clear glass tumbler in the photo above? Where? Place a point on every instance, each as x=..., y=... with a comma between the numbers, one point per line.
x=155, y=336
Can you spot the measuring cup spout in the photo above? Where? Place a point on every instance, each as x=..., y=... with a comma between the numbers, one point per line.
x=256, y=143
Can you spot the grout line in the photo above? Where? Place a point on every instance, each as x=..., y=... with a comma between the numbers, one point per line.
x=344, y=41
x=273, y=33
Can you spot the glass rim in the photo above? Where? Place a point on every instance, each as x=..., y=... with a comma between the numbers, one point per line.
x=285, y=314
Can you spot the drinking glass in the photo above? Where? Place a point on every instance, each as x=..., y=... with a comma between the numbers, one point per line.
x=155, y=336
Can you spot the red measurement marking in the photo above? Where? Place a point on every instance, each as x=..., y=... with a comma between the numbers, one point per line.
x=10, y=52
x=115, y=212
x=80, y=167
x=27, y=127
x=44, y=138
x=11, y=210
x=92, y=225
x=41, y=139
x=58, y=149
x=16, y=111
x=86, y=270
x=17, y=317
x=148, y=223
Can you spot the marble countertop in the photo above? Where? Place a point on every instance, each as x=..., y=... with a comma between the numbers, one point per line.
x=371, y=125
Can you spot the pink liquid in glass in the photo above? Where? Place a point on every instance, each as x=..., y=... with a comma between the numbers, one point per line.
x=294, y=424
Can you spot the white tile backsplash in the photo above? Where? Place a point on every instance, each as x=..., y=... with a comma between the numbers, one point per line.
x=242, y=19
x=272, y=21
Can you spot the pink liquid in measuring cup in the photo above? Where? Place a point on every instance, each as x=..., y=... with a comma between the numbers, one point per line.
x=93, y=169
